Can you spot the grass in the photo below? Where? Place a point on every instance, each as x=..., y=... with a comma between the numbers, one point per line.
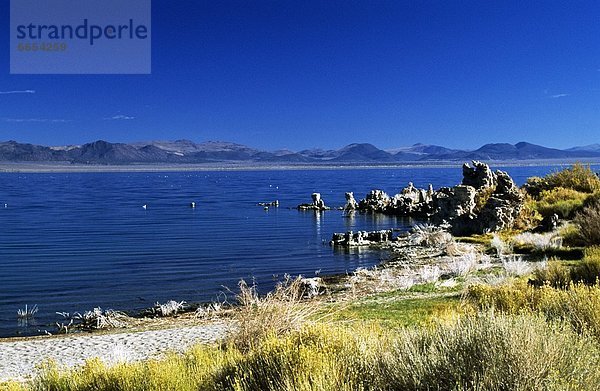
x=399, y=308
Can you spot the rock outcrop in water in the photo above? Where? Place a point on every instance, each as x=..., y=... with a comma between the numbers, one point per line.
x=351, y=204
x=317, y=204
x=485, y=201
x=361, y=238
x=409, y=202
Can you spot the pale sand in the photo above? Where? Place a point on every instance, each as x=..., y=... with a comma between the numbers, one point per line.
x=18, y=359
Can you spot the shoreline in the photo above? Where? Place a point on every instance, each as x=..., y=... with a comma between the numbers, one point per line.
x=43, y=167
x=20, y=358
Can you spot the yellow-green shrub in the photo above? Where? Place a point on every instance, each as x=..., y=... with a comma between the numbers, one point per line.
x=528, y=217
x=571, y=235
x=578, y=305
x=507, y=298
x=562, y=201
x=578, y=177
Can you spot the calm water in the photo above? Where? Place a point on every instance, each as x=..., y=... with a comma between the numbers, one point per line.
x=71, y=242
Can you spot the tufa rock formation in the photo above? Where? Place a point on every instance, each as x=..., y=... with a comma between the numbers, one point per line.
x=480, y=176
x=485, y=201
x=317, y=204
x=351, y=204
x=409, y=202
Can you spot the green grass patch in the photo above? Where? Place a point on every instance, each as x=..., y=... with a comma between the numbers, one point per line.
x=400, y=309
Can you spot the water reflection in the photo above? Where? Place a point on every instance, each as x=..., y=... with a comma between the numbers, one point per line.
x=26, y=322
x=318, y=215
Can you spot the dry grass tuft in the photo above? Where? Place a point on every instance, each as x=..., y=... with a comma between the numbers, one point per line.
x=280, y=312
x=429, y=235
x=99, y=319
x=170, y=308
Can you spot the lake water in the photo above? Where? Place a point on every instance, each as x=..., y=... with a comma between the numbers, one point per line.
x=71, y=242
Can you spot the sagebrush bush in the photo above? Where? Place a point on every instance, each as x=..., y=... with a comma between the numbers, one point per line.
x=535, y=185
x=482, y=197
x=490, y=352
x=579, y=177
x=588, y=221
x=528, y=217
x=508, y=298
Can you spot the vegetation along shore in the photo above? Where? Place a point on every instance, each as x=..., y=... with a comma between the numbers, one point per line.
x=497, y=291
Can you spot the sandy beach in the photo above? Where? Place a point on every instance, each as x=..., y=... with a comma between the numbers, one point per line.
x=18, y=358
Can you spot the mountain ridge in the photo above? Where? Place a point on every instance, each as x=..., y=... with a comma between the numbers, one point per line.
x=190, y=152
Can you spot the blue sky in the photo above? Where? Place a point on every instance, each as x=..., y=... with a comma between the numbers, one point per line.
x=301, y=74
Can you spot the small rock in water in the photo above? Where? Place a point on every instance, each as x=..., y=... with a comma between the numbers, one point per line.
x=317, y=204
x=267, y=204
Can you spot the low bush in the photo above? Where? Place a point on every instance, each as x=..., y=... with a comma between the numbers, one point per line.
x=537, y=242
x=571, y=235
x=528, y=217
x=510, y=298
x=579, y=177
x=490, y=352
x=482, y=197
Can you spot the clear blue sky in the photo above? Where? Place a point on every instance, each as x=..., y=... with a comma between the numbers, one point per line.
x=300, y=74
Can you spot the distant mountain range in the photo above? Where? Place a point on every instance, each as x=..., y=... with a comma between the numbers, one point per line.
x=186, y=151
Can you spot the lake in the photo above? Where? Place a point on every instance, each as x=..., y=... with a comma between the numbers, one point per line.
x=71, y=242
